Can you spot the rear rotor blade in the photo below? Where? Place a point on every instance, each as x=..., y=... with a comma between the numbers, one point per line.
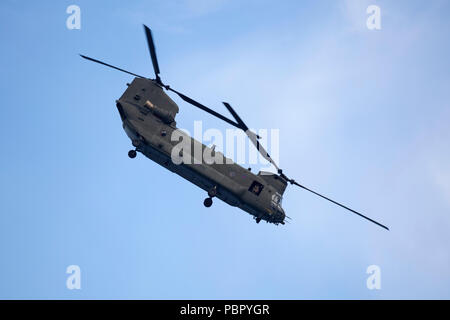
x=111, y=66
x=251, y=135
x=204, y=108
x=341, y=205
x=151, y=47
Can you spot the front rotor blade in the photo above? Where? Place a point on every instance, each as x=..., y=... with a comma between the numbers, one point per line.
x=111, y=66
x=151, y=47
x=204, y=108
x=254, y=139
x=341, y=205
x=251, y=135
x=236, y=116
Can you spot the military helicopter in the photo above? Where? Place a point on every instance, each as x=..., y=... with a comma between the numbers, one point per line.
x=148, y=118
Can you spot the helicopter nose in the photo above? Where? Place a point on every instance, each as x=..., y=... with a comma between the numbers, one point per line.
x=281, y=215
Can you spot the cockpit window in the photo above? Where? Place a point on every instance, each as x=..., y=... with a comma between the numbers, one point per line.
x=277, y=199
x=256, y=188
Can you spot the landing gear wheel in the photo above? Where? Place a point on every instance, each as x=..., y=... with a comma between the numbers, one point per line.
x=208, y=202
x=132, y=154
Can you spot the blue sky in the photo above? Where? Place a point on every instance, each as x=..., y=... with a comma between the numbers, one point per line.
x=363, y=117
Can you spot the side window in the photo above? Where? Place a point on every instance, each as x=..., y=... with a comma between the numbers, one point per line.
x=256, y=188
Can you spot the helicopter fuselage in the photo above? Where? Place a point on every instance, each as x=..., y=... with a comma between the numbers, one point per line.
x=148, y=117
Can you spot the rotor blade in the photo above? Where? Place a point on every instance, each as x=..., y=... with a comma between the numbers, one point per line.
x=341, y=205
x=236, y=116
x=111, y=66
x=254, y=139
x=151, y=47
x=204, y=108
x=251, y=135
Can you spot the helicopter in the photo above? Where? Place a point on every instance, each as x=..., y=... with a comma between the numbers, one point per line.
x=148, y=118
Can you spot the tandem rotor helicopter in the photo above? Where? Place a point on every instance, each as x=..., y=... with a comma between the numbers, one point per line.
x=148, y=118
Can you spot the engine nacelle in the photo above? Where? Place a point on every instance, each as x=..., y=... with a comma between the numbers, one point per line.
x=164, y=115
